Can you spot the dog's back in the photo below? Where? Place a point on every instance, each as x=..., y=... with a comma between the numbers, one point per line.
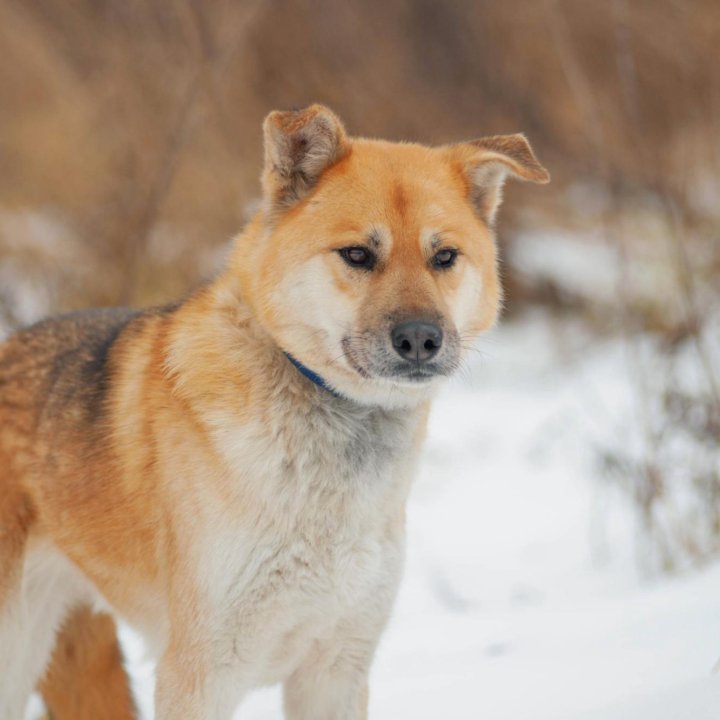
x=52, y=377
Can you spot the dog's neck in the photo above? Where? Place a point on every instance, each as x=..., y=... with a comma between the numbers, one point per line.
x=220, y=354
x=311, y=375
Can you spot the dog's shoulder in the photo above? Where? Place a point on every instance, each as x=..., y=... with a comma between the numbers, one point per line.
x=63, y=365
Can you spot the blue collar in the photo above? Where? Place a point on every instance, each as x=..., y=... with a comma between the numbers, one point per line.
x=310, y=375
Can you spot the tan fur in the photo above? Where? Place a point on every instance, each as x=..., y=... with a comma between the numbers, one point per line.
x=249, y=523
x=85, y=679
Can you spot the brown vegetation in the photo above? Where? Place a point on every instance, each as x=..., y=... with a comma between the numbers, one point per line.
x=128, y=117
x=130, y=142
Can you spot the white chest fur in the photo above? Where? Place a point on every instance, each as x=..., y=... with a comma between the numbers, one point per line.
x=317, y=549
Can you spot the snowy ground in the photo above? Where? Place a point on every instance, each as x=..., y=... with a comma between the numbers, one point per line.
x=523, y=597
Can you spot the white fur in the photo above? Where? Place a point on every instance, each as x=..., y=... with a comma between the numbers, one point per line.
x=299, y=589
x=302, y=299
x=464, y=303
x=50, y=586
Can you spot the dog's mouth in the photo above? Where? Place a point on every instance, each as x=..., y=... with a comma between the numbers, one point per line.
x=352, y=361
x=414, y=373
x=380, y=365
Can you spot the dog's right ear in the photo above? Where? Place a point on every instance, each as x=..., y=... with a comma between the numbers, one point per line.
x=299, y=146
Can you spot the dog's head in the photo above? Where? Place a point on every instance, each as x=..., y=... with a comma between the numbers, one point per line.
x=374, y=263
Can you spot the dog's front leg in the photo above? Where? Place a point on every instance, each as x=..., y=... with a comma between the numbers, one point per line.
x=330, y=697
x=331, y=684
x=190, y=686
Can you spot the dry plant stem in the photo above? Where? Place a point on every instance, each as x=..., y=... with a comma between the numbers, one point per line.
x=678, y=225
x=578, y=82
x=691, y=306
x=651, y=484
x=581, y=89
x=675, y=219
x=212, y=61
x=150, y=212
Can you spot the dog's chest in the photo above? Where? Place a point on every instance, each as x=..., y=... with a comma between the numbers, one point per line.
x=316, y=490
x=321, y=534
x=299, y=462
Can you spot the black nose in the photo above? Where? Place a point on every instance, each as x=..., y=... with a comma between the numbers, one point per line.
x=416, y=340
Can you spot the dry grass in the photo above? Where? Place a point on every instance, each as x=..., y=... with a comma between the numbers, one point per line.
x=130, y=144
x=126, y=116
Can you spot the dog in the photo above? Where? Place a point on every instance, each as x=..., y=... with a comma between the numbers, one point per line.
x=229, y=474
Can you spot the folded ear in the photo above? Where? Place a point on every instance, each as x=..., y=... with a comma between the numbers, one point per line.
x=299, y=146
x=488, y=162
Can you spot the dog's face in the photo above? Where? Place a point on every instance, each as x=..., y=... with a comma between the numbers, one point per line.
x=376, y=264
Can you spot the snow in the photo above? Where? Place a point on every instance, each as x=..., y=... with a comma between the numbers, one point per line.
x=525, y=594
x=583, y=265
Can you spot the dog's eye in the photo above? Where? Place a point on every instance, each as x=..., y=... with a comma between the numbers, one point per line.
x=359, y=257
x=444, y=258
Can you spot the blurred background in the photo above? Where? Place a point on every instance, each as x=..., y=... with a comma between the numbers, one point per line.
x=130, y=149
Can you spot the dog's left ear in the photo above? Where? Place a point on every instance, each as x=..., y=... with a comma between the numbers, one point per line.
x=487, y=163
x=299, y=146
